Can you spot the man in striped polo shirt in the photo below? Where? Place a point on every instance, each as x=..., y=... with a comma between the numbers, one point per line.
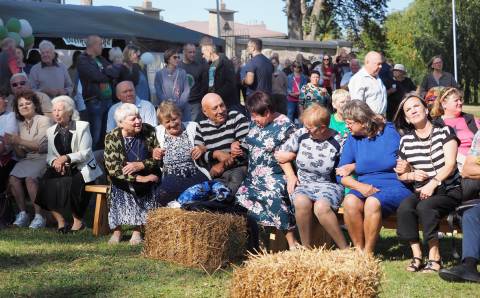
x=218, y=141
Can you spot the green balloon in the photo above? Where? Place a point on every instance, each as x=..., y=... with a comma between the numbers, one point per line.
x=3, y=32
x=28, y=41
x=13, y=25
x=15, y=36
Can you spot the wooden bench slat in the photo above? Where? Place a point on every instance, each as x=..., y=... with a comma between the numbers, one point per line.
x=97, y=188
x=100, y=220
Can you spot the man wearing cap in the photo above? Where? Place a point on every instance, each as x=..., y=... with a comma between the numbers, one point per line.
x=401, y=85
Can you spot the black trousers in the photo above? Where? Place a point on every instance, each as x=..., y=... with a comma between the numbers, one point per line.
x=428, y=213
x=470, y=189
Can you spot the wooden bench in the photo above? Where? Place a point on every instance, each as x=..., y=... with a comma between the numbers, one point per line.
x=391, y=222
x=100, y=220
x=277, y=241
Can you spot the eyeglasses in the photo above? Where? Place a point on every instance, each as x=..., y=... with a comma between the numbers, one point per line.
x=176, y=57
x=21, y=83
x=326, y=59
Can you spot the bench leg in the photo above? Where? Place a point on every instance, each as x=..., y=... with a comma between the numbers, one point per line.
x=100, y=221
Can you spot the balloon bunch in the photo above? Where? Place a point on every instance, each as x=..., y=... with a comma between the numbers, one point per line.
x=19, y=30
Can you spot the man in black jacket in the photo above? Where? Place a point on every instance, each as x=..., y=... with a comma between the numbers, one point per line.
x=221, y=75
x=95, y=74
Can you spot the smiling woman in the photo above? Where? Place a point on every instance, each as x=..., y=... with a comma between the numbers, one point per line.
x=133, y=171
x=377, y=192
x=430, y=150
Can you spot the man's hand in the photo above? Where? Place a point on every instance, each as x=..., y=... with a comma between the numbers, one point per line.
x=217, y=170
x=236, y=149
x=158, y=153
x=133, y=167
x=198, y=151
x=223, y=157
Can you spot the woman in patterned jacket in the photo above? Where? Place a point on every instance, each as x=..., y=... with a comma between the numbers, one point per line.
x=133, y=172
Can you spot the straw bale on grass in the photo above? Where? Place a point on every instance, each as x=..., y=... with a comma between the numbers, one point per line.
x=308, y=273
x=195, y=239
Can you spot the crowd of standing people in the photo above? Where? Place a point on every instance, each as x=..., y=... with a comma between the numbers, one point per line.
x=280, y=142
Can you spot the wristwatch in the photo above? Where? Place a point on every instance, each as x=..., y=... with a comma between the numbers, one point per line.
x=438, y=181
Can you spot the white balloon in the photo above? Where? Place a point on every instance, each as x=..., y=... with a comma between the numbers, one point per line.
x=25, y=28
x=147, y=58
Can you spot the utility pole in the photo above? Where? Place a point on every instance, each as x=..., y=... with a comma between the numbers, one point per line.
x=454, y=27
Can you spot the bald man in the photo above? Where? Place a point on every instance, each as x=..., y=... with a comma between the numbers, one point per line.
x=367, y=86
x=219, y=138
x=125, y=91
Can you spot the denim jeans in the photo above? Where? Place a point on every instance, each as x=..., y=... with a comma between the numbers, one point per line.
x=471, y=233
x=292, y=110
x=97, y=117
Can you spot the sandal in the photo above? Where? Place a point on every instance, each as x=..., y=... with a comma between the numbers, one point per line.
x=429, y=267
x=414, y=267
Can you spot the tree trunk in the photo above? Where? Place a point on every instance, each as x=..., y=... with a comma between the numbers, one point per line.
x=294, y=16
x=318, y=6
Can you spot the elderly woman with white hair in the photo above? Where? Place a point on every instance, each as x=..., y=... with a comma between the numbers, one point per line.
x=133, y=172
x=71, y=164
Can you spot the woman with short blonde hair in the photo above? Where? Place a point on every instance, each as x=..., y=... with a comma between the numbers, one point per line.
x=448, y=110
x=177, y=152
x=314, y=192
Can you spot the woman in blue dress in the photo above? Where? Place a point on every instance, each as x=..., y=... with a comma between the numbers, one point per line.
x=263, y=192
x=377, y=192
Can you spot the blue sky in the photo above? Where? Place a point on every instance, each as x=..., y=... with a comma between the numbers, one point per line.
x=249, y=11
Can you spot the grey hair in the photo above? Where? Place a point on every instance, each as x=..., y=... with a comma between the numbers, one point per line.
x=123, y=111
x=19, y=74
x=359, y=111
x=115, y=53
x=68, y=105
x=46, y=44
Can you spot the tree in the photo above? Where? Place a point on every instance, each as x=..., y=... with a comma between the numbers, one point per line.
x=424, y=29
x=307, y=18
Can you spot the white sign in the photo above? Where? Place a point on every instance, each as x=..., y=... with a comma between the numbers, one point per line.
x=82, y=42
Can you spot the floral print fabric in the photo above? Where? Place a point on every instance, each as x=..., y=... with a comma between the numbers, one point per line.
x=263, y=192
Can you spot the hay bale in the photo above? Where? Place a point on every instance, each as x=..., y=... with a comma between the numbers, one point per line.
x=308, y=273
x=195, y=239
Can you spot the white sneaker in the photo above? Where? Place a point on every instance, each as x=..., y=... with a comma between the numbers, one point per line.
x=38, y=222
x=22, y=219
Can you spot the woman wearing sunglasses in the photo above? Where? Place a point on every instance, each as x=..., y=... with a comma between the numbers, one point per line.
x=171, y=83
x=448, y=110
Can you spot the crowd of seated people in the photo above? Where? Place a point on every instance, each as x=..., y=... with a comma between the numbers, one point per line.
x=284, y=174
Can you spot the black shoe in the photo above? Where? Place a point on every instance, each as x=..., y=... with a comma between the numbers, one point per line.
x=459, y=273
x=64, y=230
x=82, y=227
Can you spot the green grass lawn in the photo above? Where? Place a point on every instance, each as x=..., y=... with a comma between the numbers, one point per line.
x=46, y=264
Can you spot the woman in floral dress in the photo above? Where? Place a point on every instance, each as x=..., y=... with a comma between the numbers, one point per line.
x=263, y=192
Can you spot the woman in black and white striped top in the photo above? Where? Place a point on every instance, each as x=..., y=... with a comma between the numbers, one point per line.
x=431, y=153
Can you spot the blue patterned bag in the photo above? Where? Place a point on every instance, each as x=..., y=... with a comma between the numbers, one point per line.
x=205, y=191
